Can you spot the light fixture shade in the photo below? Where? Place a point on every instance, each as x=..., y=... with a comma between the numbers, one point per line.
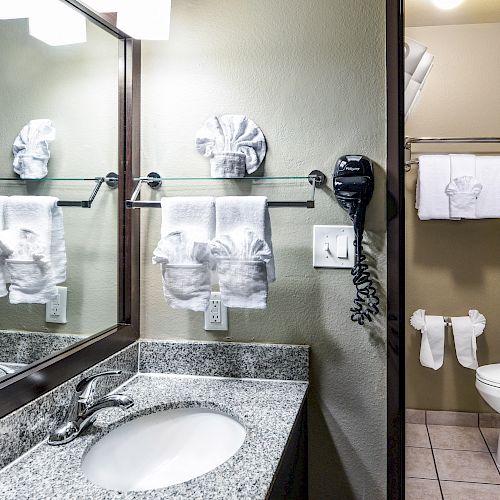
x=104, y=5
x=145, y=19
x=447, y=4
x=14, y=9
x=54, y=23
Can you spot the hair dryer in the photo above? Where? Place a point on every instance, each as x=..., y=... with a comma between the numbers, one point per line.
x=353, y=184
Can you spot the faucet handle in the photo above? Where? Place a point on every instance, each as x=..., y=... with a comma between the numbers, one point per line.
x=85, y=387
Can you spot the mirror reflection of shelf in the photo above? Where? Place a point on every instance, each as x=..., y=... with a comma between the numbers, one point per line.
x=111, y=180
x=154, y=180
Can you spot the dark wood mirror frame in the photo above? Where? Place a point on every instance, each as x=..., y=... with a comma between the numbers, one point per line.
x=42, y=376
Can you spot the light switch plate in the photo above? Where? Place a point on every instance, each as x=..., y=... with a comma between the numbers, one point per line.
x=325, y=242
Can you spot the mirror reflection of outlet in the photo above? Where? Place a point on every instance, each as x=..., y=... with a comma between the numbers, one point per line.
x=55, y=310
x=216, y=314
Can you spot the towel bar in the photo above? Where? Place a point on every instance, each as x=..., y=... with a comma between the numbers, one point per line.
x=154, y=180
x=111, y=181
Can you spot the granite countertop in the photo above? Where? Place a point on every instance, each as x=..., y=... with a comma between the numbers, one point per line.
x=266, y=408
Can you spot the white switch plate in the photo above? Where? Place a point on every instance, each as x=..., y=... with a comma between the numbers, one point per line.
x=325, y=246
x=55, y=310
x=216, y=314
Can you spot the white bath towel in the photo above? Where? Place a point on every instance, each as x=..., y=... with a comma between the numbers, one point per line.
x=434, y=173
x=432, y=342
x=188, y=223
x=3, y=267
x=42, y=216
x=241, y=264
x=246, y=213
x=465, y=331
x=488, y=174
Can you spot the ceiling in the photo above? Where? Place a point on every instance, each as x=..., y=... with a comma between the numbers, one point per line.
x=425, y=13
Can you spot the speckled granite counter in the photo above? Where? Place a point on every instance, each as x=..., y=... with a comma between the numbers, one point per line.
x=267, y=409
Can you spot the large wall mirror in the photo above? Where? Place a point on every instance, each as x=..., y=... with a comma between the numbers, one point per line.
x=65, y=271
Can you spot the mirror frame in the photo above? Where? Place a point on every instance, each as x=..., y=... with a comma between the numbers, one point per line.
x=45, y=374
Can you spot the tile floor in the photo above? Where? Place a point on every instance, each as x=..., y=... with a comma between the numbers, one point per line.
x=451, y=462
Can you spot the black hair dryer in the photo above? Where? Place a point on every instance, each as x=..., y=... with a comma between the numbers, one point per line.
x=353, y=184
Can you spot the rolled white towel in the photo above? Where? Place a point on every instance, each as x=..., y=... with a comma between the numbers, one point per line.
x=432, y=343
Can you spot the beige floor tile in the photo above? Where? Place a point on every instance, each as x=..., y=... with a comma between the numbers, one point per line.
x=469, y=466
x=419, y=489
x=416, y=435
x=491, y=436
x=452, y=418
x=489, y=420
x=469, y=491
x=419, y=463
x=450, y=437
x=415, y=416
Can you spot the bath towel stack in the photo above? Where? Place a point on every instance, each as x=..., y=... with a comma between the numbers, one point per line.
x=231, y=236
x=32, y=248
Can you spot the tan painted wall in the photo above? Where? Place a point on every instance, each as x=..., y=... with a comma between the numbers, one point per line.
x=452, y=267
x=312, y=76
x=76, y=87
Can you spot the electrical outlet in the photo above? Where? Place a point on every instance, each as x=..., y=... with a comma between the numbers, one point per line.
x=55, y=310
x=216, y=314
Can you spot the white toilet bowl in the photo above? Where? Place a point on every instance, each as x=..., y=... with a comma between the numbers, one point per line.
x=488, y=386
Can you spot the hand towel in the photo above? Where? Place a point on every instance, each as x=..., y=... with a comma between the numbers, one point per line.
x=234, y=144
x=488, y=174
x=3, y=267
x=246, y=213
x=465, y=331
x=434, y=173
x=241, y=264
x=31, y=149
x=42, y=216
x=188, y=223
x=432, y=343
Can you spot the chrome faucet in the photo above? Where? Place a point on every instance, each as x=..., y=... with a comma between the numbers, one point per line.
x=81, y=414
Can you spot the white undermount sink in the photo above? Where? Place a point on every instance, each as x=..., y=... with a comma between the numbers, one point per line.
x=162, y=449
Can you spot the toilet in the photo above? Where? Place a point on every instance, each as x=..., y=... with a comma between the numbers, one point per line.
x=488, y=386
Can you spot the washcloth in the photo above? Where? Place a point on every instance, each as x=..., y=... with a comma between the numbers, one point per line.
x=247, y=213
x=3, y=267
x=465, y=331
x=234, y=144
x=432, y=343
x=488, y=174
x=42, y=216
x=434, y=173
x=464, y=188
x=31, y=149
x=188, y=223
x=241, y=264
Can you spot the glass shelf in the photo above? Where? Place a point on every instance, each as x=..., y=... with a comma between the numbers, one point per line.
x=145, y=178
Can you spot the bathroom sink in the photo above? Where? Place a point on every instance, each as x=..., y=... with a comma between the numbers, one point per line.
x=162, y=449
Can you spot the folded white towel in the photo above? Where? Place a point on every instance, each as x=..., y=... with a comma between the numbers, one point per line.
x=234, y=144
x=465, y=331
x=31, y=149
x=464, y=188
x=246, y=213
x=3, y=267
x=434, y=173
x=241, y=264
x=188, y=223
x=432, y=343
x=31, y=282
x=41, y=216
x=488, y=174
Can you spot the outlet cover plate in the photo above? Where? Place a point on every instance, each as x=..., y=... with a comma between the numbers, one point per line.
x=325, y=241
x=216, y=307
x=55, y=310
